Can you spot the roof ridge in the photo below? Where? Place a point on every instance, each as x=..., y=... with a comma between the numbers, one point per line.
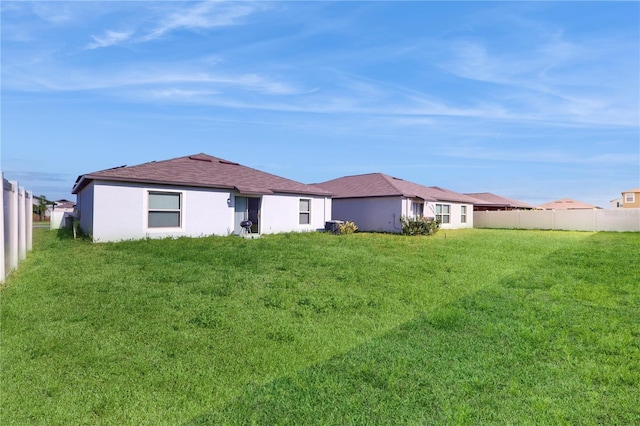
x=201, y=170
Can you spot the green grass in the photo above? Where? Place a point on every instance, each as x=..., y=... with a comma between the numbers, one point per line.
x=466, y=327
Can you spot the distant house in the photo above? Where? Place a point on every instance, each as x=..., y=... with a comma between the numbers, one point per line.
x=631, y=199
x=194, y=196
x=616, y=204
x=566, y=204
x=61, y=212
x=486, y=201
x=375, y=202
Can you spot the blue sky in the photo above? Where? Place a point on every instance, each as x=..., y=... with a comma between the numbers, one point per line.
x=530, y=100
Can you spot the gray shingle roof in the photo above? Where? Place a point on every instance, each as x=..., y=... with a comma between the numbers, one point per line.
x=381, y=185
x=489, y=199
x=201, y=170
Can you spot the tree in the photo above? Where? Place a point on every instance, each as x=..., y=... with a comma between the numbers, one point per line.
x=41, y=208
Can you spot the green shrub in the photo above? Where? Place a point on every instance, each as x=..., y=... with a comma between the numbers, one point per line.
x=347, y=228
x=419, y=225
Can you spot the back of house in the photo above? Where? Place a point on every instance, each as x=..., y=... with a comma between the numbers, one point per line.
x=194, y=196
x=376, y=201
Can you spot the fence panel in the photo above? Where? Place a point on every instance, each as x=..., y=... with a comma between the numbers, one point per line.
x=619, y=220
x=16, y=206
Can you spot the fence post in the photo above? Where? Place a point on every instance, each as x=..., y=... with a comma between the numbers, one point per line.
x=3, y=273
x=22, y=231
x=29, y=217
x=12, y=220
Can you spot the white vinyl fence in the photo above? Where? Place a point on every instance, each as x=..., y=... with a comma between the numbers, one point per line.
x=16, y=215
x=618, y=220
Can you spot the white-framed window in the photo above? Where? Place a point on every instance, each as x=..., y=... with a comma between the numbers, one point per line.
x=164, y=209
x=629, y=197
x=305, y=211
x=417, y=209
x=443, y=213
x=463, y=214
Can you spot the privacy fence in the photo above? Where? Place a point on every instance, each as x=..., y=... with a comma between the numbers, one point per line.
x=16, y=215
x=620, y=220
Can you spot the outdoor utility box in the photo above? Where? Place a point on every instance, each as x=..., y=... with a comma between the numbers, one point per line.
x=333, y=226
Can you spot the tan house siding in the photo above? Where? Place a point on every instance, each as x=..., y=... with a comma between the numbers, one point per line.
x=631, y=199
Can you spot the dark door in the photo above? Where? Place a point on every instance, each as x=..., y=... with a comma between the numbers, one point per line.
x=253, y=208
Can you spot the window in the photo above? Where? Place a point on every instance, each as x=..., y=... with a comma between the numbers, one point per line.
x=463, y=214
x=443, y=213
x=417, y=209
x=164, y=210
x=629, y=197
x=305, y=211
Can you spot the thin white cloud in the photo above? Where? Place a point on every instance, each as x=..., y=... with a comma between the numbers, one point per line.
x=54, y=12
x=156, y=79
x=109, y=39
x=548, y=155
x=206, y=15
x=202, y=16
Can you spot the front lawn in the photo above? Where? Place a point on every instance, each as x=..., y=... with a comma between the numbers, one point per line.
x=465, y=327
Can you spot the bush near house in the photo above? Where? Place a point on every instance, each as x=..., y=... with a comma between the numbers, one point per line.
x=419, y=225
x=481, y=327
x=347, y=228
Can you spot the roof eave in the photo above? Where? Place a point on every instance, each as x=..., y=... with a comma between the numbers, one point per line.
x=85, y=179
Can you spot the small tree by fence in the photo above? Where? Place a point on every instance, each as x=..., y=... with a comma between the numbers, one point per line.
x=16, y=215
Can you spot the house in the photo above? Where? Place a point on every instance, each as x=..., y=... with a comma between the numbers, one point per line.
x=616, y=204
x=61, y=212
x=376, y=201
x=486, y=201
x=195, y=195
x=566, y=204
x=631, y=199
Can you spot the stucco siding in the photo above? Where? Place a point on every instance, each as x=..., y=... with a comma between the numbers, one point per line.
x=455, y=217
x=112, y=211
x=121, y=212
x=628, y=204
x=207, y=212
x=84, y=205
x=380, y=214
x=117, y=212
x=281, y=213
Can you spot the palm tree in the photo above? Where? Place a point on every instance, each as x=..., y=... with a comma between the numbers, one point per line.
x=41, y=208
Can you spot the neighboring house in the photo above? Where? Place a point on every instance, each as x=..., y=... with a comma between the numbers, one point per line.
x=486, y=201
x=566, y=204
x=616, y=204
x=375, y=202
x=61, y=212
x=194, y=196
x=631, y=199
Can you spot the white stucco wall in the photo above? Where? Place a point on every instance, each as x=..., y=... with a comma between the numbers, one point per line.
x=382, y=214
x=280, y=213
x=59, y=218
x=379, y=214
x=84, y=205
x=120, y=212
x=112, y=211
x=455, y=214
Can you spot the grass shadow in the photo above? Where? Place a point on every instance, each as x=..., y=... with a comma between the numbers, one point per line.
x=554, y=343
